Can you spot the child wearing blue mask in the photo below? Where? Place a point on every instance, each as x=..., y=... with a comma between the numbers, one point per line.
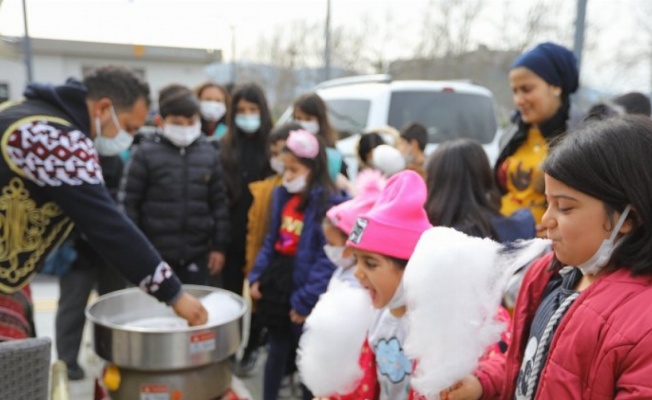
x=173, y=190
x=311, y=112
x=244, y=152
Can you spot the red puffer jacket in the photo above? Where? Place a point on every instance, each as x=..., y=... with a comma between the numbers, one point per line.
x=602, y=348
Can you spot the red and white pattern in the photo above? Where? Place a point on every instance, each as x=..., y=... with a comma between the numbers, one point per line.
x=151, y=283
x=53, y=157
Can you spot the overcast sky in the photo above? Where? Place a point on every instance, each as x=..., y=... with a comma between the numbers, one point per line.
x=209, y=24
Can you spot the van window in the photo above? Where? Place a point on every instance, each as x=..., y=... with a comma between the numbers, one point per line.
x=446, y=115
x=348, y=116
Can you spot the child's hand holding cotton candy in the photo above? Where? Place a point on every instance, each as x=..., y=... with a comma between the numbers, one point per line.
x=453, y=286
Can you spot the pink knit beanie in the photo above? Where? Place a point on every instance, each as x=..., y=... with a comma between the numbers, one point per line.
x=395, y=223
x=369, y=185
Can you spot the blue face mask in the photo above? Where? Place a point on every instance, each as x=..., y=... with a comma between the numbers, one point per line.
x=248, y=123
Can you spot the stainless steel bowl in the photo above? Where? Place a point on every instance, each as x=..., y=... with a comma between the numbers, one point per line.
x=147, y=349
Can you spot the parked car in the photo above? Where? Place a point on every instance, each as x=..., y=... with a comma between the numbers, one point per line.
x=448, y=109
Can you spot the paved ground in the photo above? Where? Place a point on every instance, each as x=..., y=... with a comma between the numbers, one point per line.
x=45, y=290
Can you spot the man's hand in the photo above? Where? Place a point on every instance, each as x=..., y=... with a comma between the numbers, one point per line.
x=190, y=309
x=254, y=291
x=297, y=318
x=215, y=262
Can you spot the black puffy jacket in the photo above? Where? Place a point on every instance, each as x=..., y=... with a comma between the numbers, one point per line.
x=177, y=198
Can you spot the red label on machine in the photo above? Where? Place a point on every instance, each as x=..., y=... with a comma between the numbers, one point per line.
x=154, y=392
x=202, y=342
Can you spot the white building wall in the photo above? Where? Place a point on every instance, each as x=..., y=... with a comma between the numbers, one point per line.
x=56, y=69
x=12, y=72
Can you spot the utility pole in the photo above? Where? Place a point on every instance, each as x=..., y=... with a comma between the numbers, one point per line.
x=233, y=59
x=579, y=31
x=27, y=46
x=327, y=46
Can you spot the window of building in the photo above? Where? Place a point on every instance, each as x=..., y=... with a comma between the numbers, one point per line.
x=4, y=91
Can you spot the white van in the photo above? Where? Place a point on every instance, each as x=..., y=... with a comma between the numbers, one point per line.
x=448, y=109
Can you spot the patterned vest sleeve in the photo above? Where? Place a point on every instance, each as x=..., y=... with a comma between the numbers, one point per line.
x=57, y=175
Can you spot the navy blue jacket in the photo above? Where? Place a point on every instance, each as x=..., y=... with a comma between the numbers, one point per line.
x=519, y=225
x=51, y=182
x=312, y=269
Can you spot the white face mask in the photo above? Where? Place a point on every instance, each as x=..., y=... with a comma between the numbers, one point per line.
x=296, y=185
x=310, y=126
x=398, y=300
x=111, y=146
x=601, y=257
x=277, y=165
x=180, y=135
x=212, y=110
x=336, y=255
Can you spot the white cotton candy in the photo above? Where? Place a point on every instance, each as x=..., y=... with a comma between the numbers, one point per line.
x=221, y=307
x=158, y=323
x=453, y=285
x=333, y=336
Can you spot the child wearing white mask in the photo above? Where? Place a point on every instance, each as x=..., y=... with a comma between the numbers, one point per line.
x=582, y=322
x=173, y=190
x=340, y=220
x=214, y=101
x=260, y=211
x=292, y=270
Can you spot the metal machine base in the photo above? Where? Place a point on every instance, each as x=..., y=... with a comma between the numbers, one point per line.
x=203, y=383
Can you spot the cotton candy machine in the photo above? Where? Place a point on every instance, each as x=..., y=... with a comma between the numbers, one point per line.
x=154, y=355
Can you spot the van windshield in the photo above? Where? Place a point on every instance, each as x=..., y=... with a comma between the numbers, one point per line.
x=348, y=116
x=446, y=115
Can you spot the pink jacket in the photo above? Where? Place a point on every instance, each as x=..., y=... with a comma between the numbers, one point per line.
x=602, y=348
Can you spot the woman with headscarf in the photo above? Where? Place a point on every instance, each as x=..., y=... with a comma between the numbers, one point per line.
x=542, y=81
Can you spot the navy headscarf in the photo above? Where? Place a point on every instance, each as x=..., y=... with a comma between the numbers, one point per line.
x=555, y=64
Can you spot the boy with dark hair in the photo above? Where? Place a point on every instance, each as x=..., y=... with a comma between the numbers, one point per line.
x=414, y=138
x=173, y=190
x=51, y=182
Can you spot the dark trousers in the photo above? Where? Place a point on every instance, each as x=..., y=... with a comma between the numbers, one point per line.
x=283, y=335
x=232, y=276
x=88, y=271
x=194, y=272
x=281, y=354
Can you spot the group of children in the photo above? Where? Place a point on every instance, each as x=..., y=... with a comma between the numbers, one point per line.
x=579, y=327
x=598, y=223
